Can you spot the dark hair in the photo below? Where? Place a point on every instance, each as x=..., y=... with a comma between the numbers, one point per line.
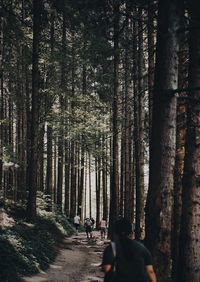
x=123, y=229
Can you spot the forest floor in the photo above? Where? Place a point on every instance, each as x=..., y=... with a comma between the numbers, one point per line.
x=78, y=260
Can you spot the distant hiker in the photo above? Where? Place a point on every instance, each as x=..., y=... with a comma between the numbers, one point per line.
x=93, y=222
x=102, y=226
x=88, y=227
x=77, y=223
x=133, y=226
x=126, y=259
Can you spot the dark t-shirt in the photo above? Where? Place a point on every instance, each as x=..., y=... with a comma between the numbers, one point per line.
x=129, y=270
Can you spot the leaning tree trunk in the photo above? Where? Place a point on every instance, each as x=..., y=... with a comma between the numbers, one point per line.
x=189, y=264
x=163, y=140
x=32, y=155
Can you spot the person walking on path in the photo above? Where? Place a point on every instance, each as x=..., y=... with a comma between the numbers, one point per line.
x=126, y=259
x=88, y=227
x=77, y=222
x=102, y=226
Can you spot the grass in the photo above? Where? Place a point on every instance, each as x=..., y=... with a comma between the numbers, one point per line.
x=26, y=248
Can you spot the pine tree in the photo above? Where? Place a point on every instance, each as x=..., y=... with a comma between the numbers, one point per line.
x=162, y=149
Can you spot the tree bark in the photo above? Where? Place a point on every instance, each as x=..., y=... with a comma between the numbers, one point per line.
x=151, y=61
x=81, y=184
x=67, y=178
x=189, y=264
x=139, y=135
x=90, y=185
x=60, y=173
x=163, y=141
x=32, y=156
x=128, y=188
x=1, y=98
x=49, y=166
x=114, y=189
x=98, y=187
x=180, y=149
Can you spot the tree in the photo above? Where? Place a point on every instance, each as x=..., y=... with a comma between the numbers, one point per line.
x=139, y=134
x=162, y=146
x=180, y=145
x=114, y=189
x=189, y=264
x=1, y=95
x=34, y=126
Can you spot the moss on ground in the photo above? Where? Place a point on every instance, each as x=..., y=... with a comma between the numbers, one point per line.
x=25, y=248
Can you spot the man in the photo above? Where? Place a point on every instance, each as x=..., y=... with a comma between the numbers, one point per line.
x=129, y=258
x=77, y=222
x=102, y=226
x=88, y=227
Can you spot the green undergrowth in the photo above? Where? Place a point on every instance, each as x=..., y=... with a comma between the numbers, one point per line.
x=26, y=248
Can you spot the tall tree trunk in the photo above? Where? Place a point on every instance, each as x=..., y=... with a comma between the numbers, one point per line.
x=49, y=172
x=90, y=186
x=73, y=183
x=85, y=185
x=55, y=172
x=122, y=171
x=189, y=264
x=139, y=135
x=62, y=107
x=32, y=156
x=129, y=192
x=98, y=188
x=151, y=59
x=21, y=170
x=180, y=149
x=114, y=189
x=49, y=166
x=163, y=141
x=60, y=173
x=1, y=98
x=73, y=192
x=81, y=184
x=40, y=173
x=67, y=178
x=104, y=189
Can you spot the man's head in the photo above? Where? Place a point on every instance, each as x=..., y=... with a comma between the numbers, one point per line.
x=122, y=227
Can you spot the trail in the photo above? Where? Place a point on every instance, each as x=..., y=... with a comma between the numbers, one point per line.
x=78, y=260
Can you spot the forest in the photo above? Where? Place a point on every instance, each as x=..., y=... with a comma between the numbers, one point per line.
x=100, y=116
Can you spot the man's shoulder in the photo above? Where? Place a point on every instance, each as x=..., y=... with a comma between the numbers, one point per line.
x=140, y=246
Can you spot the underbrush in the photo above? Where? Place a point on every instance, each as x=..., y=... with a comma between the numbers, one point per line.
x=26, y=248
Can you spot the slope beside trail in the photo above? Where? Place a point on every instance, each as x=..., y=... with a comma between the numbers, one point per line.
x=78, y=260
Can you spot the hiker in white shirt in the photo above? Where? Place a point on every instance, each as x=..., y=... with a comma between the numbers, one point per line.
x=77, y=223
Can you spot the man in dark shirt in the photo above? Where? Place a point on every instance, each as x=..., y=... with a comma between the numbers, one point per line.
x=131, y=259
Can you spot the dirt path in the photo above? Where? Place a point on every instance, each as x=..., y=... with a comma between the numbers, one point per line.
x=78, y=261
